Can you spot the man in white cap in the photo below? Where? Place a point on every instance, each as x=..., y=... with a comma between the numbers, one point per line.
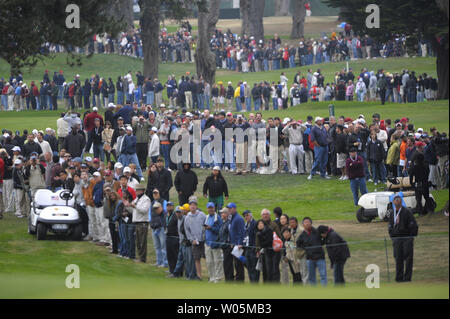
x=294, y=131
x=153, y=149
x=20, y=189
x=319, y=138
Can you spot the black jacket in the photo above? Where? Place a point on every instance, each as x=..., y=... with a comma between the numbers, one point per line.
x=312, y=243
x=186, y=181
x=224, y=234
x=31, y=147
x=74, y=144
x=215, y=187
x=337, y=247
x=407, y=225
x=163, y=182
x=265, y=237
x=375, y=151
x=172, y=224
x=341, y=143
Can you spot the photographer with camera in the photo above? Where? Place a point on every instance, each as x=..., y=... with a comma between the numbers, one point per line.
x=35, y=173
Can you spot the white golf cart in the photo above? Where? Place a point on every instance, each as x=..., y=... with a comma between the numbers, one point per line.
x=54, y=212
x=378, y=204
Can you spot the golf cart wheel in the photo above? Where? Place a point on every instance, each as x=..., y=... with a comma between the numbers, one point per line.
x=77, y=232
x=360, y=216
x=30, y=230
x=41, y=231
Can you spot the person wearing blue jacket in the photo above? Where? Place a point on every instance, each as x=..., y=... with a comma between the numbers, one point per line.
x=128, y=152
x=237, y=231
x=124, y=112
x=213, y=253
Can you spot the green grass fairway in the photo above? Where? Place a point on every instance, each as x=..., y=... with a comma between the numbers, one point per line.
x=53, y=287
x=36, y=269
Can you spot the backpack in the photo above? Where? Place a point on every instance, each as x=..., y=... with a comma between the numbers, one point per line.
x=277, y=243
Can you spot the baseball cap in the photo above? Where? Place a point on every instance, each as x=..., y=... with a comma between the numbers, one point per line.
x=84, y=165
x=216, y=168
x=118, y=165
x=318, y=118
x=223, y=210
x=155, y=190
x=88, y=159
x=245, y=212
x=77, y=159
x=185, y=207
x=156, y=205
x=95, y=109
x=16, y=149
x=111, y=105
x=231, y=205
x=129, y=128
x=169, y=203
x=96, y=160
x=107, y=173
x=127, y=170
x=178, y=209
x=229, y=114
x=154, y=129
x=210, y=205
x=192, y=200
x=120, y=118
x=17, y=161
x=97, y=174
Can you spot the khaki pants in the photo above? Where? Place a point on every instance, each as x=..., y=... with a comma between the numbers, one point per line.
x=188, y=95
x=21, y=202
x=104, y=235
x=141, y=241
x=8, y=195
x=442, y=178
x=214, y=263
x=242, y=158
x=10, y=102
x=158, y=98
x=284, y=272
x=16, y=102
x=296, y=155
x=309, y=159
x=92, y=225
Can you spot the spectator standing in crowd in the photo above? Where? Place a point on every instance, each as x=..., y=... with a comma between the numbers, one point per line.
x=158, y=219
x=172, y=236
x=141, y=206
x=402, y=229
x=213, y=253
x=354, y=166
x=249, y=246
x=310, y=240
x=194, y=228
x=185, y=183
x=216, y=186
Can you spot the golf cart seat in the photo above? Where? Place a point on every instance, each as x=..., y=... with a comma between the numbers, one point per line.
x=45, y=198
x=398, y=183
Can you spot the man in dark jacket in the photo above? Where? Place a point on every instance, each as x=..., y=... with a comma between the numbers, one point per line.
x=311, y=241
x=354, y=167
x=185, y=183
x=74, y=143
x=163, y=179
x=249, y=246
x=402, y=228
x=375, y=156
x=237, y=230
x=172, y=241
x=338, y=252
x=31, y=146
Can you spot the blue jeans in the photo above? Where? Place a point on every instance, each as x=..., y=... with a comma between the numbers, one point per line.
x=229, y=155
x=321, y=265
x=120, y=97
x=200, y=101
x=191, y=272
x=111, y=98
x=338, y=272
x=159, y=242
x=320, y=160
x=238, y=104
x=60, y=92
x=206, y=102
x=127, y=159
x=150, y=97
x=266, y=64
x=165, y=151
x=358, y=184
x=292, y=61
x=257, y=103
x=5, y=101
x=123, y=239
x=131, y=240
x=378, y=173
x=98, y=151
x=178, y=271
x=275, y=103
